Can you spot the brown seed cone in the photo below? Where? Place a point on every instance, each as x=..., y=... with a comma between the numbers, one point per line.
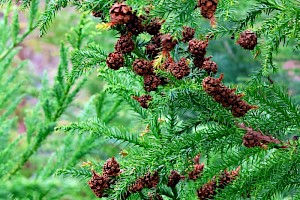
x=227, y=177
x=168, y=64
x=212, y=85
x=115, y=60
x=207, y=191
x=120, y=13
x=147, y=181
x=143, y=100
x=154, y=46
x=167, y=43
x=98, y=184
x=151, y=82
x=198, y=61
x=125, y=44
x=247, y=40
x=256, y=138
x=240, y=108
x=135, y=26
x=154, y=26
x=198, y=47
x=219, y=92
x=152, y=50
x=151, y=181
x=208, y=8
x=142, y=67
x=198, y=168
x=137, y=186
x=156, y=39
x=225, y=96
x=174, y=178
x=111, y=167
x=187, y=33
x=180, y=70
x=210, y=66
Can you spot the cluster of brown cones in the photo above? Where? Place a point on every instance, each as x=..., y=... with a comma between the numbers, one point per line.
x=100, y=183
x=226, y=96
x=209, y=190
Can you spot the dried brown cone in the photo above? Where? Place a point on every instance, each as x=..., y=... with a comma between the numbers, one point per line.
x=198, y=61
x=247, y=40
x=227, y=177
x=125, y=44
x=151, y=82
x=167, y=42
x=152, y=50
x=143, y=100
x=174, y=178
x=187, y=33
x=142, y=67
x=154, y=26
x=120, y=13
x=208, y=8
x=220, y=93
x=154, y=47
x=135, y=26
x=151, y=180
x=198, y=168
x=181, y=69
x=256, y=138
x=147, y=181
x=138, y=186
x=111, y=167
x=210, y=66
x=99, y=184
x=207, y=191
x=168, y=64
x=115, y=60
x=240, y=108
x=198, y=47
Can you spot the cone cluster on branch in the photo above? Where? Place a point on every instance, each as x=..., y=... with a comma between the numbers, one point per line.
x=226, y=96
x=209, y=190
x=256, y=138
x=100, y=183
